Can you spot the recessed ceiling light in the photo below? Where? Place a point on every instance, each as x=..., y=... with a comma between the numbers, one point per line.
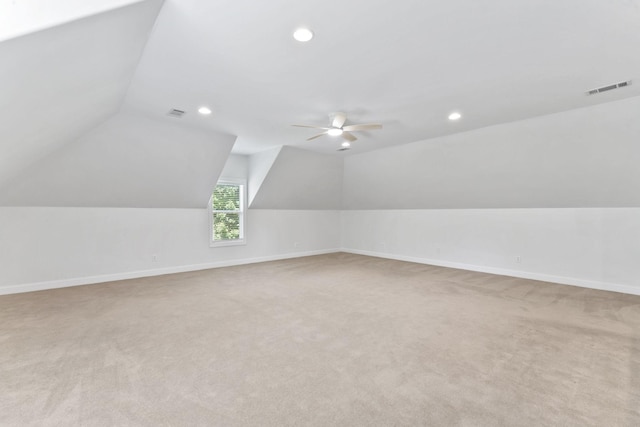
x=335, y=131
x=303, y=34
x=455, y=116
x=204, y=111
x=346, y=144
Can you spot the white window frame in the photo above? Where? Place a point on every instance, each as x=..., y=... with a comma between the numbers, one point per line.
x=242, y=212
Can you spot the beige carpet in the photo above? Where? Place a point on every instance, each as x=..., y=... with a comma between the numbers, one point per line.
x=335, y=340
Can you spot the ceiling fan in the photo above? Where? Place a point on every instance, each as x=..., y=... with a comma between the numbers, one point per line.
x=339, y=129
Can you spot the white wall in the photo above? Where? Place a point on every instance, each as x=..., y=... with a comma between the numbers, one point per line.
x=259, y=166
x=560, y=191
x=48, y=247
x=52, y=247
x=595, y=247
x=237, y=166
x=591, y=238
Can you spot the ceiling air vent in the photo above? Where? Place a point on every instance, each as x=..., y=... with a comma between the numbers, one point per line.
x=174, y=112
x=609, y=87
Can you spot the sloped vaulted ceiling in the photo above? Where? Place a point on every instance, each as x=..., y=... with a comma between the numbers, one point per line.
x=65, y=135
x=83, y=103
x=405, y=63
x=301, y=179
x=58, y=83
x=128, y=161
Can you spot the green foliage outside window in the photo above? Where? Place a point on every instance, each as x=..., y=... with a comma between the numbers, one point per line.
x=226, y=224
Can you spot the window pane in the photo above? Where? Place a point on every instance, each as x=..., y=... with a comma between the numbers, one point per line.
x=226, y=198
x=226, y=226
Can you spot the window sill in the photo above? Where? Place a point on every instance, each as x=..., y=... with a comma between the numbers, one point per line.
x=222, y=243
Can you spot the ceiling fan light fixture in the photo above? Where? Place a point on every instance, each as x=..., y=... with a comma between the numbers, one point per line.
x=303, y=34
x=205, y=111
x=337, y=127
x=455, y=116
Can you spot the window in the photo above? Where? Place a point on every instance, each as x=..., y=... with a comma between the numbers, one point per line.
x=227, y=206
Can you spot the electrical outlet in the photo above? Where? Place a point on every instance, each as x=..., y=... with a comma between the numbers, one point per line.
x=296, y=244
x=154, y=258
x=518, y=259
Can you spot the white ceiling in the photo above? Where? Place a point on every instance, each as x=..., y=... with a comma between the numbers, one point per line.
x=127, y=161
x=406, y=64
x=20, y=17
x=58, y=83
x=299, y=179
x=586, y=157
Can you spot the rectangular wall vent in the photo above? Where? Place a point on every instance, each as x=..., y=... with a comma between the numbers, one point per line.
x=609, y=87
x=174, y=112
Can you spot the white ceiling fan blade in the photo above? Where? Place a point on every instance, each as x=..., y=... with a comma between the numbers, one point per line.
x=338, y=120
x=317, y=136
x=370, y=126
x=349, y=137
x=309, y=126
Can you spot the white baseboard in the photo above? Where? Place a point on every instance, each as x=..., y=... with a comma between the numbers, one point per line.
x=604, y=286
x=64, y=283
x=79, y=281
